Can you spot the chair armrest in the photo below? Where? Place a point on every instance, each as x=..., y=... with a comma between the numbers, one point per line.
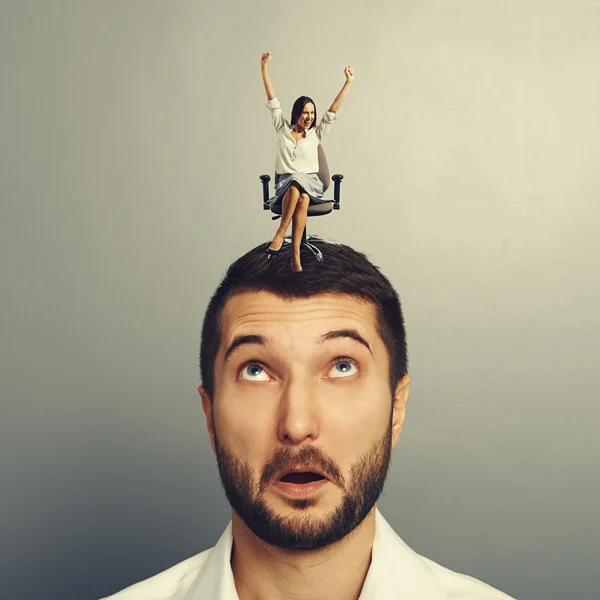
x=337, y=182
x=265, y=185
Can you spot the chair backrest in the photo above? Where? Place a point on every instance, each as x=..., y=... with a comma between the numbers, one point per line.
x=323, y=173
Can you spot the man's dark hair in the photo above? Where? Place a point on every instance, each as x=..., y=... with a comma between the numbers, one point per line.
x=299, y=107
x=344, y=271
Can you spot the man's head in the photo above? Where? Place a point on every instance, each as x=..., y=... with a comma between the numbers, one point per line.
x=304, y=390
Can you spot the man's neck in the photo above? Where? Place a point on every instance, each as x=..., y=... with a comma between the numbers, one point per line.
x=337, y=572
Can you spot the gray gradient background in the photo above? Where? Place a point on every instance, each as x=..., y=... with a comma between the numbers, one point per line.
x=133, y=134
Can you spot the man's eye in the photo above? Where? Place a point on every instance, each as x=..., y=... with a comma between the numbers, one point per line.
x=254, y=372
x=343, y=368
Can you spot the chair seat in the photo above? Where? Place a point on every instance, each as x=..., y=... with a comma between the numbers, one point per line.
x=314, y=210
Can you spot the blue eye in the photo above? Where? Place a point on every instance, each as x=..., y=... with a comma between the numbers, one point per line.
x=343, y=368
x=254, y=372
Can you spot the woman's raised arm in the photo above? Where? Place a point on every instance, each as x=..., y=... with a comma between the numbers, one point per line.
x=339, y=99
x=264, y=61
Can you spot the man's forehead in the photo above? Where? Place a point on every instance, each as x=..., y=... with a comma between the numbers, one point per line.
x=252, y=310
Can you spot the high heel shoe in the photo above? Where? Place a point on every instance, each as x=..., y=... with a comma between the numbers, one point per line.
x=271, y=252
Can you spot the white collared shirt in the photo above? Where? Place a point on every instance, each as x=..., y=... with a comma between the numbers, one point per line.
x=396, y=573
x=297, y=156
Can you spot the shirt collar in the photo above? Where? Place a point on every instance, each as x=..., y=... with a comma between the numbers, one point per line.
x=396, y=571
x=289, y=133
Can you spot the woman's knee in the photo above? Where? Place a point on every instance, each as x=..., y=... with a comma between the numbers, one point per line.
x=291, y=192
x=303, y=200
x=295, y=189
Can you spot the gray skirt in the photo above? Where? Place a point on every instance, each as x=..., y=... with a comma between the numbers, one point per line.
x=309, y=182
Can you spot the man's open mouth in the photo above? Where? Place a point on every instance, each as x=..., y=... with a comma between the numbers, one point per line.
x=300, y=478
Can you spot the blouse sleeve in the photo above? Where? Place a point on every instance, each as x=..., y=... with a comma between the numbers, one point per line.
x=275, y=107
x=323, y=127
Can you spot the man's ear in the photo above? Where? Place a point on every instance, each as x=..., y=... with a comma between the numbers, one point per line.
x=208, y=413
x=399, y=407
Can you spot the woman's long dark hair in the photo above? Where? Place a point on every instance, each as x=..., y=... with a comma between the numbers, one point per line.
x=299, y=107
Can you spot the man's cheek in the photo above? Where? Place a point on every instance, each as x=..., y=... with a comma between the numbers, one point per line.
x=244, y=438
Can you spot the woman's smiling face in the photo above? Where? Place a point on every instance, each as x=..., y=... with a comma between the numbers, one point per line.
x=307, y=117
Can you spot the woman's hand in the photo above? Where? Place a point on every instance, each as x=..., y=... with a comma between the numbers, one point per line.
x=349, y=73
x=264, y=61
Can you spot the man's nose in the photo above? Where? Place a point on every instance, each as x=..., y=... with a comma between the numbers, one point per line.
x=298, y=412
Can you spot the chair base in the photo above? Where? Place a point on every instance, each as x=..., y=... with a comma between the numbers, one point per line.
x=305, y=243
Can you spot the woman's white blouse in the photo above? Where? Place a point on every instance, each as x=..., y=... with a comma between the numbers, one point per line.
x=297, y=156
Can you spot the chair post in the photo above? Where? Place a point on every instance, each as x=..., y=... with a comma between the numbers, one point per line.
x=265, y=185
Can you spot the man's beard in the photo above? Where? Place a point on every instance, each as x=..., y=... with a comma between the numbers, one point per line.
x=245, y=493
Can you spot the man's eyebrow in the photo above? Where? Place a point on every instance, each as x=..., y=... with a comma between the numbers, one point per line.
x=241, y=340
x=346, y=333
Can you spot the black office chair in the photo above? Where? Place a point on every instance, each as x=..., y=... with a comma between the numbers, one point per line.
x=314, y=210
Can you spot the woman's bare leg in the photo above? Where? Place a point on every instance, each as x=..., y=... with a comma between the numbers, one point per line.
x=298, y=225
x=288, y=206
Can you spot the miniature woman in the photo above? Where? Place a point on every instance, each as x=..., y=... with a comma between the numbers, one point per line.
x=297, y=161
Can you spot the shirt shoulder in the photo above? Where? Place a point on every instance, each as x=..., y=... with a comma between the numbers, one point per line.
x=171, y=584
x=463, y=587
